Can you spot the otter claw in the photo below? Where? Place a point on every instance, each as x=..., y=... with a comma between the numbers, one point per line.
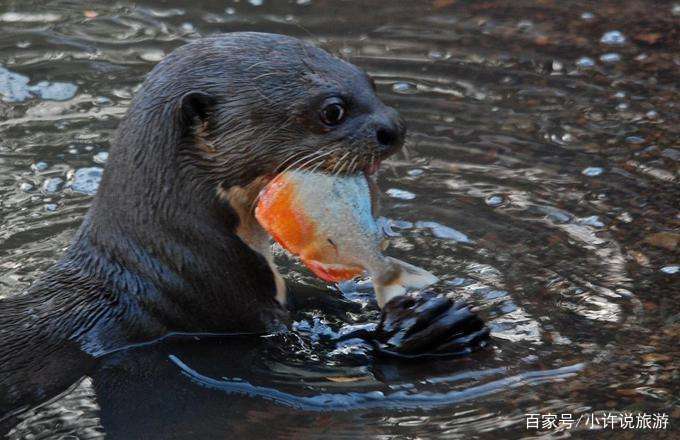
x=428, y=325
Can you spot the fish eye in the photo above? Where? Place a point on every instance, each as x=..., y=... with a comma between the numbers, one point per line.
x=333, y=111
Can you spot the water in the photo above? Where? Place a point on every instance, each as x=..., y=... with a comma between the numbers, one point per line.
x=536, y=132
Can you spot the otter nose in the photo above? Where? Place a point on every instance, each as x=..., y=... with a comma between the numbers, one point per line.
x=390, y=131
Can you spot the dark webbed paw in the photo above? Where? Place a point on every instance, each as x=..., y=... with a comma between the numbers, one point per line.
x=428, y=325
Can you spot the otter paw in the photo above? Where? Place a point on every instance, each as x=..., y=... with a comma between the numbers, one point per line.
x=428, y=325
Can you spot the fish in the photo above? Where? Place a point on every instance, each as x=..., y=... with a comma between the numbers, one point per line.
x=328, y=222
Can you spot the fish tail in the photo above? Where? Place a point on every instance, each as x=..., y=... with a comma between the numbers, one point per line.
x=399, y=279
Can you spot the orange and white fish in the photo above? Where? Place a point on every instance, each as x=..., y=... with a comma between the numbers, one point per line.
x=328, y=222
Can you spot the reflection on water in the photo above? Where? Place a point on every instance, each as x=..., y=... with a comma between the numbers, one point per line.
x=539, y=183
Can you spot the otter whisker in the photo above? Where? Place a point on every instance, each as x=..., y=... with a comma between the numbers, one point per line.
x=340, y=162
x=322, y=162
x=319, y=156
x=288, y=158
x=316, y=167
x=352, y=166
x=335, y=165
x=316, y=155
x=291, y=156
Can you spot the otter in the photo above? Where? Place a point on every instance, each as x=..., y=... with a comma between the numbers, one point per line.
x=170, y=243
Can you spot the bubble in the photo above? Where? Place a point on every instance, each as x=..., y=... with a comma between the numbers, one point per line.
x=437, y=55
x=613, y=38
x=593, y=221
x=494, y=200
x=525, y=25
x=610, y=58
x=14, y=88
x=635, y=139
x=101, y=157
x=559, y=216
x=51, y=207
x=585, y=62
x=174, y=12
x=625, y=217
x=256, y=2
x=404, y=87
x=153, y=55
x=532, y=358
x=671, y=270
x=415, y=172
x=27, y=17
x=587, y=16
x=39, y=166
x=86, y=180
x=445, y=232
x=592, y=171
x=624, y=292
x=122, y=93
x=52, y=184
x=187, y=27
x=57, y=91
x=26, y=187
x=347, y=50
x=400, y=194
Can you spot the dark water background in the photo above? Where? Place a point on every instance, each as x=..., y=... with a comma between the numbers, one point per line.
x=547, y=141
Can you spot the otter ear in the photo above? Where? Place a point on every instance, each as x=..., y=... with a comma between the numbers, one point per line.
x=194, y=105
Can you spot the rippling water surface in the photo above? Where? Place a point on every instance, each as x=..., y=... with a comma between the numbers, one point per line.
x=540, y=183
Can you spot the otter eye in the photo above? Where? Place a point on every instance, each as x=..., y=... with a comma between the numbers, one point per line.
x=333, y=111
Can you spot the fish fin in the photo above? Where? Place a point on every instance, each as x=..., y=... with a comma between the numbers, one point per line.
x=332, y=272
x=408, y=277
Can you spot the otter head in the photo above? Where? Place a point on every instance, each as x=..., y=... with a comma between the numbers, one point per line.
x=262, y=103
x=212, y=123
